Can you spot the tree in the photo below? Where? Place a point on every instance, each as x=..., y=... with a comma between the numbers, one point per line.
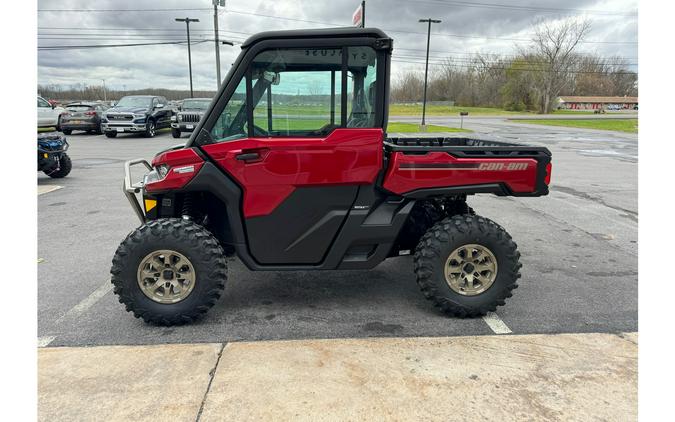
x=553, y=44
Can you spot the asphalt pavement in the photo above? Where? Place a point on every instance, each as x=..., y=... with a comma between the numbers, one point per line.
x=578, y=245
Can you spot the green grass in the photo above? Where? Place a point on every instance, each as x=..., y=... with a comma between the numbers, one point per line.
x=621, y=125
x=414, y=127
x=46, y=129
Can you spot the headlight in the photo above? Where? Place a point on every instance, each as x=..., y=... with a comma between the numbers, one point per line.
x=180, y=118
x=173, y=118
x=162, y=170
x=157, y=174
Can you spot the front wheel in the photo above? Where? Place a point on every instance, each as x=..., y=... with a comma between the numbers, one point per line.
x=65, y=165
x=169, y=271
x=467, y=265
x=150, y=129
x=175, y=133
x=67, y=131
x=111, y=134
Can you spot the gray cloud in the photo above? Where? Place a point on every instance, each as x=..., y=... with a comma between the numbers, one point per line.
x=166, y=65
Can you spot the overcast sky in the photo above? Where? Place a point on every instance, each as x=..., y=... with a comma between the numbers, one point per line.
x=468, y=26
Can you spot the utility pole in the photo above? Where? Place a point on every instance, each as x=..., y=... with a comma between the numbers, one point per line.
x=105, y=99
x=217, y=3
x=187, y=24
x=426, y=67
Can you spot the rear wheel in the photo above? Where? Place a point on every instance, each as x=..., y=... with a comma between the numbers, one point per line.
x=65, y=165
x=467, y=265
x=169, y=271
x=111, y=134
x=175, y=133
x=150, y=129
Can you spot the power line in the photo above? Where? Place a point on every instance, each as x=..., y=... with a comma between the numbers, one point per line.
x=75, y=47
x=125, y=10
x=327, y=23
x=520, y=8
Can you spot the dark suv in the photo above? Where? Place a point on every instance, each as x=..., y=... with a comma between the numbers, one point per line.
x=137, y=114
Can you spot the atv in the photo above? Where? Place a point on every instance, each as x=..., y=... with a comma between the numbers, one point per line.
x=52, y=158
x=291, y=168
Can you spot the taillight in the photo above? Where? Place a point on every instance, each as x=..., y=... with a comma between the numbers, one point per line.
x=90, y=113
x=547, y=179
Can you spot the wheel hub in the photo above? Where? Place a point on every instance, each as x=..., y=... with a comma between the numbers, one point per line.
x=470, y=269
x=166, y=276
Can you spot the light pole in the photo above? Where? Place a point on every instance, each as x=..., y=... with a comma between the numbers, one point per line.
x=426, y=66
x=217, y=3
x=187, y=24
x=105, y=98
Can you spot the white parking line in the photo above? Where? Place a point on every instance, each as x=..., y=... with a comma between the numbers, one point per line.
x=42, y=189
x=88, y=302
x=496, y=324
x=44, y=341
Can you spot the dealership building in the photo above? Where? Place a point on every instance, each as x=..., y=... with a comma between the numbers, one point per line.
x=595, y=103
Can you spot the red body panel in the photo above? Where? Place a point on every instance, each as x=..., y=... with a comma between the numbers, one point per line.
x=180, y=161
x=407, y=173
x=345, y=157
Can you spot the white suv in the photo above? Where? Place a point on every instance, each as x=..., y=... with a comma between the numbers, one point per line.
x=47, y=114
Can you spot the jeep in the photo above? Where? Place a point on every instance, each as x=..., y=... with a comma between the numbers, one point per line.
x=188, y=116
x=291, y=168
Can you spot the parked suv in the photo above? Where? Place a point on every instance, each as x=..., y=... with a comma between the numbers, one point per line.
x=82, y=116
x=48, y=114
x=137, y=114
x=189, y=114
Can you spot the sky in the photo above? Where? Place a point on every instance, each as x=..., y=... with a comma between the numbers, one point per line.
x=467, y=27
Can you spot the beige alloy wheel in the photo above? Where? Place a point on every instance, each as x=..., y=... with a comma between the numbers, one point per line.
x=470, y=269
x=166, y=276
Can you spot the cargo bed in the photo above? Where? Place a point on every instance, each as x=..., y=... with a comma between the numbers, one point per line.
x=421, y=166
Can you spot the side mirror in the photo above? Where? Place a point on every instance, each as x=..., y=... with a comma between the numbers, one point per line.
x=53, y=106
x=159, y=106
x=273, y=78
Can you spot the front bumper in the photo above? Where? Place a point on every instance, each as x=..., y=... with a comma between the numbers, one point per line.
x=123, y=127
x=131, y=189
x=184, y=127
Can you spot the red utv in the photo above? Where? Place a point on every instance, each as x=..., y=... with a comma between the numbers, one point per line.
x=291, y=169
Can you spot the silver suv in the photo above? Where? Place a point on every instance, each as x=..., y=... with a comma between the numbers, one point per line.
x=188, y=116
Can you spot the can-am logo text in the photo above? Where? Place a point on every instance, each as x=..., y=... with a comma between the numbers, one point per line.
x=502, y=166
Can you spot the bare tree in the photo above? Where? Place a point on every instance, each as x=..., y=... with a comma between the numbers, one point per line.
x=554, y=45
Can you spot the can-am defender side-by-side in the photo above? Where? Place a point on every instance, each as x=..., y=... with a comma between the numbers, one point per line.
x=290, y=169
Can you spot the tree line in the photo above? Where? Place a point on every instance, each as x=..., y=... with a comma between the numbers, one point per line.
x=82, y=92
x=532, y=79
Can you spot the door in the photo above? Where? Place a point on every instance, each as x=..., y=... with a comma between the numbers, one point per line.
x=299, y=148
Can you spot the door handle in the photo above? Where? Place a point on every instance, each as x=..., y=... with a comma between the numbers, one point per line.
x=248, y=156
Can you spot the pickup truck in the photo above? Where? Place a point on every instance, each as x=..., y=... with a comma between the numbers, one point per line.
x=291, y=168
x=144, y=114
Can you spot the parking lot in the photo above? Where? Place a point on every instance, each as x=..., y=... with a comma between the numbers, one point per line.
x=578, y=245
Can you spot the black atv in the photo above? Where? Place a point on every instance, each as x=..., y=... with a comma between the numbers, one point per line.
x=52, y=158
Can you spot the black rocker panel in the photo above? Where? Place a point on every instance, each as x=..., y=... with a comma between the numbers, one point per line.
x=302, y=228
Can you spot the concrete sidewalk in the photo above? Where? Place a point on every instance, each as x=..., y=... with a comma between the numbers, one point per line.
x=508, y=378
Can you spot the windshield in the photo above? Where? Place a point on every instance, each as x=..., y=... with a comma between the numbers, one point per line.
x=196, y=104
x=134, y=102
